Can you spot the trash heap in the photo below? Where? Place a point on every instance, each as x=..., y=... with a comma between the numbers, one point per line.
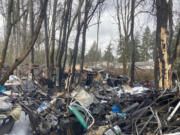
x=99, y=110
x=145, y=113
x=10, y=111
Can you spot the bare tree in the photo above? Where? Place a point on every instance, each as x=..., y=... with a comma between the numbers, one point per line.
x=31, y=15
x=171, y=32
x=75, y=53
x=47, y=45
x=53, y=36
x=162, y=66
x=174, y=56
x=64, y=38
x=123, y=14
x=21, y=58
x=132, y=40
x=24, y=35
x=7, y=33
x=98, y=26
x=87, y=8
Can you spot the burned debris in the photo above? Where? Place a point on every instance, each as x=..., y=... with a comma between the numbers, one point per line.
x=93, y=108
x=89, y=67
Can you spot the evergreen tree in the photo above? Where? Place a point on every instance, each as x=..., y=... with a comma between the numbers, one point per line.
x=146, y=45
x=152, y=44
x=129, y=51
x=137, y=48
x=93, y=55
x=120, y=49
x=108, y=56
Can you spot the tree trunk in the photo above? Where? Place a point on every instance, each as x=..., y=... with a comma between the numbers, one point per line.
x=98, y=27
x=84, y=37
x=125, y=50
x=75, y=53
x=24, y=37
x=176, y=47
x=161, y=44
x=68, y=35
x=171, y=32
x=63, y=40
x=53, y=37
x=31, y=13
x=46, y=45
x=7, y=34
x=133, y=42
x=21, y=58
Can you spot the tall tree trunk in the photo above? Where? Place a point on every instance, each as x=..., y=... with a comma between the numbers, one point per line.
x=174, y=56
x=75, y=53
x=31, y=14
x=24, y=37
x=7, y=34
x=125, y=49
x=47, y=46
x=161, y=44
x=87, y=7
x=61, y=32
x=98, y=27
x=171, y=32
x=63, y=40
x=53, y=36
x=68, y=35
x=132, y=40
x=21, y=58
x=60, y=43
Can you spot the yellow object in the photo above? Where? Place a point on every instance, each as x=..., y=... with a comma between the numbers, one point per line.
x=16, y=113
x=98, y=77
x=99, y=131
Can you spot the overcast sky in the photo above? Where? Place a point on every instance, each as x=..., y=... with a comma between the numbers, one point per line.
x=108, y=26
x=109, y=29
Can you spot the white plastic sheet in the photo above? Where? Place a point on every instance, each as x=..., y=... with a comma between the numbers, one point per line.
x=84, y=97
x=22, y=126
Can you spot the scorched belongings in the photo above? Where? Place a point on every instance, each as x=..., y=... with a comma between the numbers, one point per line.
x=102, y=111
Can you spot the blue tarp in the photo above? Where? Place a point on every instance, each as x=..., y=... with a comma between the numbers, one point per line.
x=2, y=88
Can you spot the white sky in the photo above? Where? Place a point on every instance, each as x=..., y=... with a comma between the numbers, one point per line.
x=108, y=27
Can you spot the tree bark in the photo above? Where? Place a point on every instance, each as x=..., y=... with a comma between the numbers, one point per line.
x=162, y=47
x=68, y=35
x=87, y=7
x=31, y=15
x=75, y=53
x=20, y=59
x=171, y=32
x=47, y=45
x=98, y=27
x=63, y=40
x=132, y=40
x=53, y=37
x=7, y=34
x=24, y=35
x=176, y=46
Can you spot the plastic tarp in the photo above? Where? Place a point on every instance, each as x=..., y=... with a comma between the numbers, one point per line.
x=5, y=106
x=22, y=126
x=13, y=80
x=84, y=97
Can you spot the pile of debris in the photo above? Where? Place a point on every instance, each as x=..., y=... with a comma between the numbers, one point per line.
x=99, y=110
x=145, y=113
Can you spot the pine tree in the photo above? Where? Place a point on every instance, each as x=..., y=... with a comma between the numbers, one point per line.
x=93, y=55
x=146, y=45
x=108, y=56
